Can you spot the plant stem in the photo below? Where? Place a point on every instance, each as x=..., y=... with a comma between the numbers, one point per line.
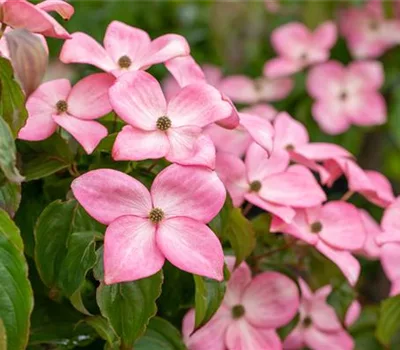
x=347, y=196
x=247, y=208
x=2, y=29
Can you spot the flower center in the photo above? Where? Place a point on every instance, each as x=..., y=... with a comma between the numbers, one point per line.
x=374, y=25
x=124, y=62
x=156, y=215
x=343, y=96
x=289, y=147
x=316, y=227
x=255, y=186
x=303, y=57
x=238, y=311
x=62, y=106
x=163, y=123
x=307, y=322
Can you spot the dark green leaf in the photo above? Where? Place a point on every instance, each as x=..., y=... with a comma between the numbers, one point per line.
x=129, y=306
x=10, y=197
x=160, y=335
x=104, y=330
x=3, y=336
x=389, y=320
x=8, y=153
x=340, y=298
x=286, y=330
x=208, y=298
x=16, y=299
x=12, y=98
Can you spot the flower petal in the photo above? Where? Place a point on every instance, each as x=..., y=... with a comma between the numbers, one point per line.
x=390, y=220
x=191, y=246
x=370, y=110
x=325, y=35
x=107, y=194
x=185, y=70
x=136, y=144
x=194, y=192
x=324, y=316
x=130, y=250
x=240, y=279
x=198, y=105
x=82, y=48
x=288, y=39
x=270, y=90
x=289, y=132
x=260, y=130
x=332, y=73
x=137, y=98
x=239, y=88
x=369, y=73
x=182, y=142
x=280, y=67
x=320, y=151
x=330, y=116
x=89, y=99
x=372, y=230
x=271, y=300
x=390, y=260
x=383, y=194
x=87, y=132
x=64, y=9
x=316, y=339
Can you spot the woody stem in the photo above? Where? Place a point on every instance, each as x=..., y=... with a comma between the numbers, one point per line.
x=2, y=29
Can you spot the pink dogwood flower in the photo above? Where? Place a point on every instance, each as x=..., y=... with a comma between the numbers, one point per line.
x=298, y=47
x=125, y=49
x=55, y=103
x=34, y=18
x=334, y=229
x=371, y=249
x=145, y=228
x=251, y=311
x=159, y=129
x=368, y=33
x=350, y=95
x=319, y=328
x=268, y=182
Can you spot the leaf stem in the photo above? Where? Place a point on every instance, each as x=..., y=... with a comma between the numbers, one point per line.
x=347, y=196
x=247, y=208
x=2, y=29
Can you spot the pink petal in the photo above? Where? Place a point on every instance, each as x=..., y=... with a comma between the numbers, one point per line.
x=271, y=300
x=239, y=88
x=82, y=48
x=372, y=230
x=342, y=227
x=353, y=313
x=41, y=105
x=330, y=117
x=243, y=336
x=320, y=151
x=123, y=40
x=346, y=262
x=64, y=9
x=390, y=260
x=240, y=279
x=295, y=340
x=194, y=192
x=88, y=99
x=232, y=120
x=137, y=98
x=260, y=165
x=185, y=70
x=289, y=132
x=325, y=36
x=395, y=288
x=211, y=335
x=262, y=110
x=383, y=194
x=165, y=48
x=316, y=339
x=370, y=110
x=191, y=246
x=130, y=250
x=260, y=130
x=289, y=38
x=182, y=142
x=136, y=144
x=274, y=89
x=108, y=194
x=280, y=67
x=324, y=316
x=306, y=292
x=198, y=105
x=87, y=132
x=370, y=73
x=232, y=172
x=213, y=74
x=390, y=220
x=294, y=187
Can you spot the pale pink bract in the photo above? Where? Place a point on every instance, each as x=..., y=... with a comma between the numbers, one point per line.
x=145, y=228
x=251, y=311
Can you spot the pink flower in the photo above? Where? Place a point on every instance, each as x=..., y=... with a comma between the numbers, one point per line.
x=146, y=228
x=55, y=103
x=159, y=129
x=319, y=328
x=125, y=49
x=334, y=229
x=370, y=249
x=251, y=311
x=366, y=30
x=252, y=128
x=350, y=95
x=34, y=18
x=272, y=6
x=298, y=47
x=268, y=182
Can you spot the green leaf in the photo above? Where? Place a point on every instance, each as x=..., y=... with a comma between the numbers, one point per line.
x=3, y=336
x=53, y=230
x=16, y=298
x=104, y=330
x=340, y=298
x=12, y=98
x=394, y=116
x=129, y=306
x=8, y=153
x=389, y=320
x=10, y=197
x=287, y=329
x=160, y=334
x=208, y=298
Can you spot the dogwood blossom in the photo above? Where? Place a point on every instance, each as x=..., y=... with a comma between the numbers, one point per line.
x=251, y=311
x=350, y=95
x=55, y=103
x=298, y=47
x=125, y=49
x=145, y=228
